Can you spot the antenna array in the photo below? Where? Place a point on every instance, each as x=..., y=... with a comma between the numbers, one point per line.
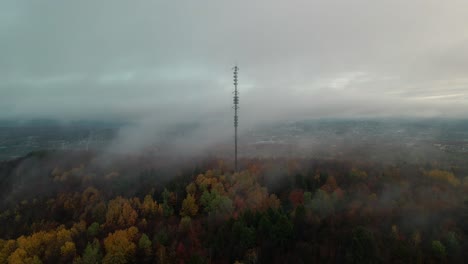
x=236, y=118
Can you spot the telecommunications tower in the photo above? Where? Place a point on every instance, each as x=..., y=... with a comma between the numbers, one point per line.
x=236, y=118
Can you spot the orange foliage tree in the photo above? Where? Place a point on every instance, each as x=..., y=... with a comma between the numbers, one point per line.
x=120, y=214
x=120, y=246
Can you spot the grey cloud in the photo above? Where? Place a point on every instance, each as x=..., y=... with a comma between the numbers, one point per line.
x=149, y=60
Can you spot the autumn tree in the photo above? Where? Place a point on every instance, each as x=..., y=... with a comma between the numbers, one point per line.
x=189, y=206
x=20, y=256
x=296, y=197
x=330, y=185
x=191, y=188
x=185, y=224
x=89, y=198
x=149, y=207
x=120, y=246
x=272, y=202
x=50, y=247
x=6, y=249
x=358, y=175
x=444, y=176
x=120, y=214
x=68, y=251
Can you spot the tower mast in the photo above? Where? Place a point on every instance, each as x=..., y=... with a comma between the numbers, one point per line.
x=236, y=118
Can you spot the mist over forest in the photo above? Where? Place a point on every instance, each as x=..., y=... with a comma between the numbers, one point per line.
x=119, y=140
x=339, y=190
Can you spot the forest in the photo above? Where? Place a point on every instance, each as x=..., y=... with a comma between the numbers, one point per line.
x=229, y=132
x=70, y=208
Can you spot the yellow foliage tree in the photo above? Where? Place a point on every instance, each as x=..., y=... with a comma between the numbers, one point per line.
x=149, y=207
x=358, y=174
x=20, y=256
x=41, y=246
x=189, y=206
x=120, y=214
x=444, y=176
x=272, y=202
x=120, y=246
x=6, y=249
x=68, y=251
x=191, y=188
x=90, y=196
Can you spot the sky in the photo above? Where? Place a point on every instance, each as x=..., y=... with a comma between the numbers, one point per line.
x=171, y=61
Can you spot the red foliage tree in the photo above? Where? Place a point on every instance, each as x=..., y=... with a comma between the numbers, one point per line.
x=296, y=197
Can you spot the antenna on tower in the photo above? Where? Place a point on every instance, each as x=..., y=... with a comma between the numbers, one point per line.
x=236, y=118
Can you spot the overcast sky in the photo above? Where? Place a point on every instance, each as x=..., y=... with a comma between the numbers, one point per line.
x=172, y=60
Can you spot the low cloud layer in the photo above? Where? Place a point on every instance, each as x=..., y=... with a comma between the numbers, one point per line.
x=170, y=61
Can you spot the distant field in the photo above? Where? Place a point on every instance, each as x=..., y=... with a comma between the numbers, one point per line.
x=390, y=140
x=16, y=141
